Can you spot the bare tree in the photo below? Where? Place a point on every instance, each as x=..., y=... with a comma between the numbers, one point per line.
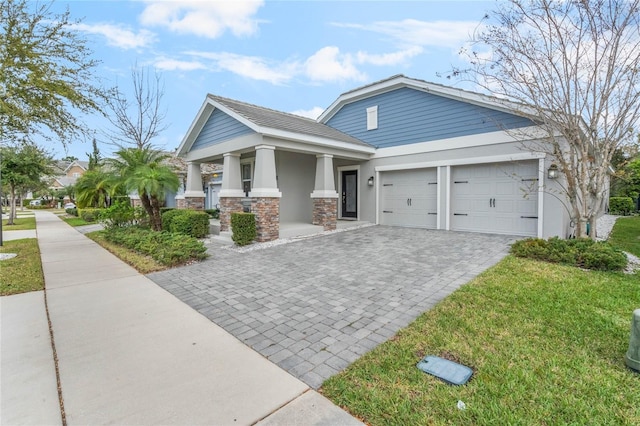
x=575, y=64
x=137, y=121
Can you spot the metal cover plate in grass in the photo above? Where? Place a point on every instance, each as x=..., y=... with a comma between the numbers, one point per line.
x=449, y=371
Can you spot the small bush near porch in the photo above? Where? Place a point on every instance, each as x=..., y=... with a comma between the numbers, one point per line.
x=244, y=228
x=546, y=343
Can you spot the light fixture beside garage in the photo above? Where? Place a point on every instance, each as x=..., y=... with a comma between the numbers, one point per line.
x=552, y=173
x=370, y=181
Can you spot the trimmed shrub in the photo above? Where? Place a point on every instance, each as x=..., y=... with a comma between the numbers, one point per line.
x=89, y=214
x=72, y=212
x=244, y=228
x=214, y=213
x=581, y=252
x=194, y=223
x=621, y=205
x=165, y=247
x=122, y=214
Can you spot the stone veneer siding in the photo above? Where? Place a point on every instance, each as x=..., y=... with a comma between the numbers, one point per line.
x=325, y=213
x=267, y=211
x=228, y=205
x=193, y=203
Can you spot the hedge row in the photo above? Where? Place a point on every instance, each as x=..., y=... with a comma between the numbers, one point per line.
x=581, y=252
x=621, y=205
x=166, y=248
x=90, y=214
x=188, y=222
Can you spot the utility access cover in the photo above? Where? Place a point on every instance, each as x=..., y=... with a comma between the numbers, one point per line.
x=449, y=371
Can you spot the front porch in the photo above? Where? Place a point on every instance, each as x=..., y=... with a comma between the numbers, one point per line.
x=287, y=230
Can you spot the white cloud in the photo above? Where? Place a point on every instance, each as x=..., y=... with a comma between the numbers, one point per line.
x=167, y=64
x=203, y=18
x=394, y=58
x=411, y=32
x=118, y=35
x=252, y=67
x=328, y=64
x=312, y=113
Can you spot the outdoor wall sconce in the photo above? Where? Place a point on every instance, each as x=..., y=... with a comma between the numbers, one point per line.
x=370, y=181
x=552, y=173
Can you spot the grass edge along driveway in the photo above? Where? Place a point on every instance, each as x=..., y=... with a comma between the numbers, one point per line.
x=546, y=343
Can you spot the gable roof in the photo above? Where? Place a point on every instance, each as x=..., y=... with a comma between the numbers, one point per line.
x=82, y=164
x=400, y=80
x=267, y=122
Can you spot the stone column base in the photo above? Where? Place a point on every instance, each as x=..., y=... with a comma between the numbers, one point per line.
x=228, y=205
x=325, y=213
x=267, y=211
x=192, y=203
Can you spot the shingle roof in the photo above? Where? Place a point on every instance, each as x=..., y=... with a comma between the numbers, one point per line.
x=269, y=118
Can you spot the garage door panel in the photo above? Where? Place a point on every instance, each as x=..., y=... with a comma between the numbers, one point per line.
x=497, y=198
x=409, y=198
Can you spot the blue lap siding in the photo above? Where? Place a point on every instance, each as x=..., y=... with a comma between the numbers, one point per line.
x=219, y=128
x=407, y=116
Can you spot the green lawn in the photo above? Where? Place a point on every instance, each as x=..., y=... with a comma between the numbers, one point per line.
x=76, y=221
x=546, y=343
x=24, y=272
x=143, y=264
x=20, y=224
x=626, y=234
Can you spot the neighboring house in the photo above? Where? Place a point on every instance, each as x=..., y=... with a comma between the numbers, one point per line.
x=400, y=152
x=69, y=173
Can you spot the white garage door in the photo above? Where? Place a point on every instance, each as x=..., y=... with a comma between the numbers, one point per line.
x=497, y=198
x=408, y=198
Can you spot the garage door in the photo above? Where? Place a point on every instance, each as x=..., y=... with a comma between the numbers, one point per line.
x=497, y=198
x=408, y=198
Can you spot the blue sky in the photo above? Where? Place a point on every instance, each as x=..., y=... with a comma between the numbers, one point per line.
x=292, y=56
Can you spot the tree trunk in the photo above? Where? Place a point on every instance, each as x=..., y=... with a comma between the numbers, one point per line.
x=157, y=217
x=12, y=206
x=146, y=203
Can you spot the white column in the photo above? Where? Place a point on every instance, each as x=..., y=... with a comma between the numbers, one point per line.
x=325, y=186
x=194, y=181
x=231, y=178
x=265, y=183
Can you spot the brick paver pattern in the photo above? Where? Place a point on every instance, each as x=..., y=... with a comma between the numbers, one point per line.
x=316, y=305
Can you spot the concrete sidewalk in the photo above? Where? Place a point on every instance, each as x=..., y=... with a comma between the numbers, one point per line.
x=131, y=353
x=18, y=235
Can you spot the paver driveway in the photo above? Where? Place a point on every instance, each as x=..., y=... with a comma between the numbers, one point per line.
x=316, y=305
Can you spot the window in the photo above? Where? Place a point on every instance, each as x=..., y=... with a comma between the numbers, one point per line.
x=76, y=175
x=372, y=118
x=247, y=174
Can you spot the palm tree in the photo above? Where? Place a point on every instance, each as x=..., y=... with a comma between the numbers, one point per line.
x=142, y=171
x=94, y=188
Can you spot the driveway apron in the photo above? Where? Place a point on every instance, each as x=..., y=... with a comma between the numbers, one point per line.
x=315, y=305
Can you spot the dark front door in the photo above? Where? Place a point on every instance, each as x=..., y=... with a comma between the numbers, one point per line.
x=350, y=194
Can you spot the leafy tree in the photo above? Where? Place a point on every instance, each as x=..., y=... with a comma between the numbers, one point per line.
x=46, y=73
x=142, y=171
x=69, y=159
x=22, y=169
x=574, y=68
